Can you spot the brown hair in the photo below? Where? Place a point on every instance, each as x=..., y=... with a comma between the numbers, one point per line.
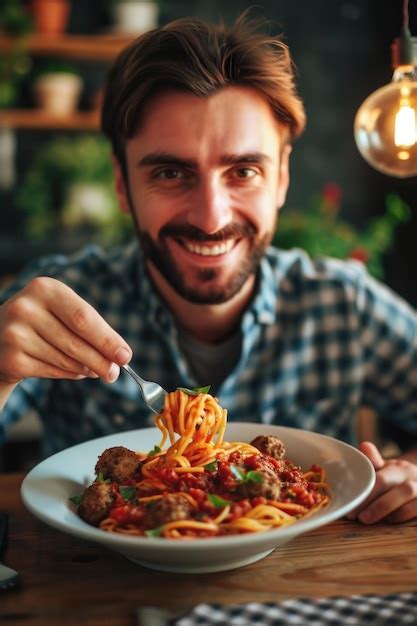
x=191, y=55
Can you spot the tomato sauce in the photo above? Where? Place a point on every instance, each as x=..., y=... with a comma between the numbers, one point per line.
x=216, y=488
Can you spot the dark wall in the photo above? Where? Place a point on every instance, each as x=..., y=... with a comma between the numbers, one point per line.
x=342, y=52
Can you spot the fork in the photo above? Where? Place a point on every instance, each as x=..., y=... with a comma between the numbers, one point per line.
x=152, y=393
x=9, y=578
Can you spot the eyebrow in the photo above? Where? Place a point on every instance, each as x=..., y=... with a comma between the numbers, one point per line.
x=166, y=158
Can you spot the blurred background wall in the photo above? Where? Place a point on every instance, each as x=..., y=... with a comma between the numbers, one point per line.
x=342, y=52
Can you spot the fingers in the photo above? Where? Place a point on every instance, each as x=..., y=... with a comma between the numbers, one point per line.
x=57, y=358
x=69, y=347
x=404, y=513
x=37, y=359
x=371, y=451
x=84, y=321
x=48, y=322
x=394, y=496
x=45, y=370
x=392, y=492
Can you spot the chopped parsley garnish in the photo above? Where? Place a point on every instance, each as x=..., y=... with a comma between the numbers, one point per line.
x=216, y=501
x=154, y=532
x=211, y=467
x=195, y=391
x=76, y=499
x=127, y=493
x=254, y=476
x=251, y=476
x=155, y=450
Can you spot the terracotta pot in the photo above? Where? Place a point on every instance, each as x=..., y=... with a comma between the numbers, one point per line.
x=50, y=16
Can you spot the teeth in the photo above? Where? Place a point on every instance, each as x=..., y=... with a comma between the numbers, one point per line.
x=221, y=248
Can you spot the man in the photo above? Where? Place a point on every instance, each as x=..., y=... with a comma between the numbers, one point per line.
x=201, y=121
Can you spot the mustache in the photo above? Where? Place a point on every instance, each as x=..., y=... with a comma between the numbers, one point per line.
x=187, y=231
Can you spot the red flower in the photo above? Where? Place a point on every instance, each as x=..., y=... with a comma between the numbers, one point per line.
x=360, y=254
x=332, y=195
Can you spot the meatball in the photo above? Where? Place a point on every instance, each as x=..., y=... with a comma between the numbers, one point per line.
x=269, y=487
x=118, y=464
x=170, y=508
x=96, y=502
x=268, y=444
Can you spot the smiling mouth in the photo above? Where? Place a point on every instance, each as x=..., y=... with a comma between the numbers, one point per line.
x=215, y=249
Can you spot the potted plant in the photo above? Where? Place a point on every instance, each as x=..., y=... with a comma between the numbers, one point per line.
x=15, y=62
x=135, y=16
x=322, y=232
x=57, y=88
x=50, y=16
x=14, y=19
x=14, y=66
x=69, y=188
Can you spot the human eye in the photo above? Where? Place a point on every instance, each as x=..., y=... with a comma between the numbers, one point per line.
x=168, y=173
x=246, y=172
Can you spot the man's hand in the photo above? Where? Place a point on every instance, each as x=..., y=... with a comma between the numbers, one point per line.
x=48, y=331
x=394, y=496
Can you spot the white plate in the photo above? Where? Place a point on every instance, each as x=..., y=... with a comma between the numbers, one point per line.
x=47, y=488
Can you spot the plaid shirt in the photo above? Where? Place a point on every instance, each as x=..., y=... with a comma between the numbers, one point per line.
x=320, y=340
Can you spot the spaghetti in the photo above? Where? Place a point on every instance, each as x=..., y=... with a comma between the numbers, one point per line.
x=194, y=484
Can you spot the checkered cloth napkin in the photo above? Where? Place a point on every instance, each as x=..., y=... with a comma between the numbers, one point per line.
x=369, y=610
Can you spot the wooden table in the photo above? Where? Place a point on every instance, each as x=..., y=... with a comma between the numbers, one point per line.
x=68, y=581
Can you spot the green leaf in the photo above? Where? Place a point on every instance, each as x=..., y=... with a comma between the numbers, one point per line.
x=211, y=467
x=320, y=231
x=76, y=499
x=154, y=532
x=254, y=476
x=195, y=391
x=217, y=501
x=251, y=476
x=237, y=473
x=155, y=450
x=128, y=493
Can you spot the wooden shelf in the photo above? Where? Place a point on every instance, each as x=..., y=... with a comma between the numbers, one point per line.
x=81, y=47
x=40, y=120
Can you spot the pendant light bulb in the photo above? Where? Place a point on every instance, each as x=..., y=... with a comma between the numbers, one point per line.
x=385, y=127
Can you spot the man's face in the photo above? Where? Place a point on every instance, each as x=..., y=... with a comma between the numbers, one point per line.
x=205, y=180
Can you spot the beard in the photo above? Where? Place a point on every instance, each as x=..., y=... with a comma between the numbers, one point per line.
x=206, y=291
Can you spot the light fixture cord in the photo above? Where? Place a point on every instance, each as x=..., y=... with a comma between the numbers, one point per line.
x=406, y=15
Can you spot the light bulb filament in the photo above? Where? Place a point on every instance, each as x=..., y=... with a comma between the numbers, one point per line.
x=405, y=130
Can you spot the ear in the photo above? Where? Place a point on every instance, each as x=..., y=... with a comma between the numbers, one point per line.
x=283, y=175
x=120, y=185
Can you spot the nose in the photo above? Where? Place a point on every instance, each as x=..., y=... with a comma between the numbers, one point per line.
x=211, y=206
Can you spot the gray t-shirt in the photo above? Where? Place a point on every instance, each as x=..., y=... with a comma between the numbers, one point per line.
x=210, y=363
